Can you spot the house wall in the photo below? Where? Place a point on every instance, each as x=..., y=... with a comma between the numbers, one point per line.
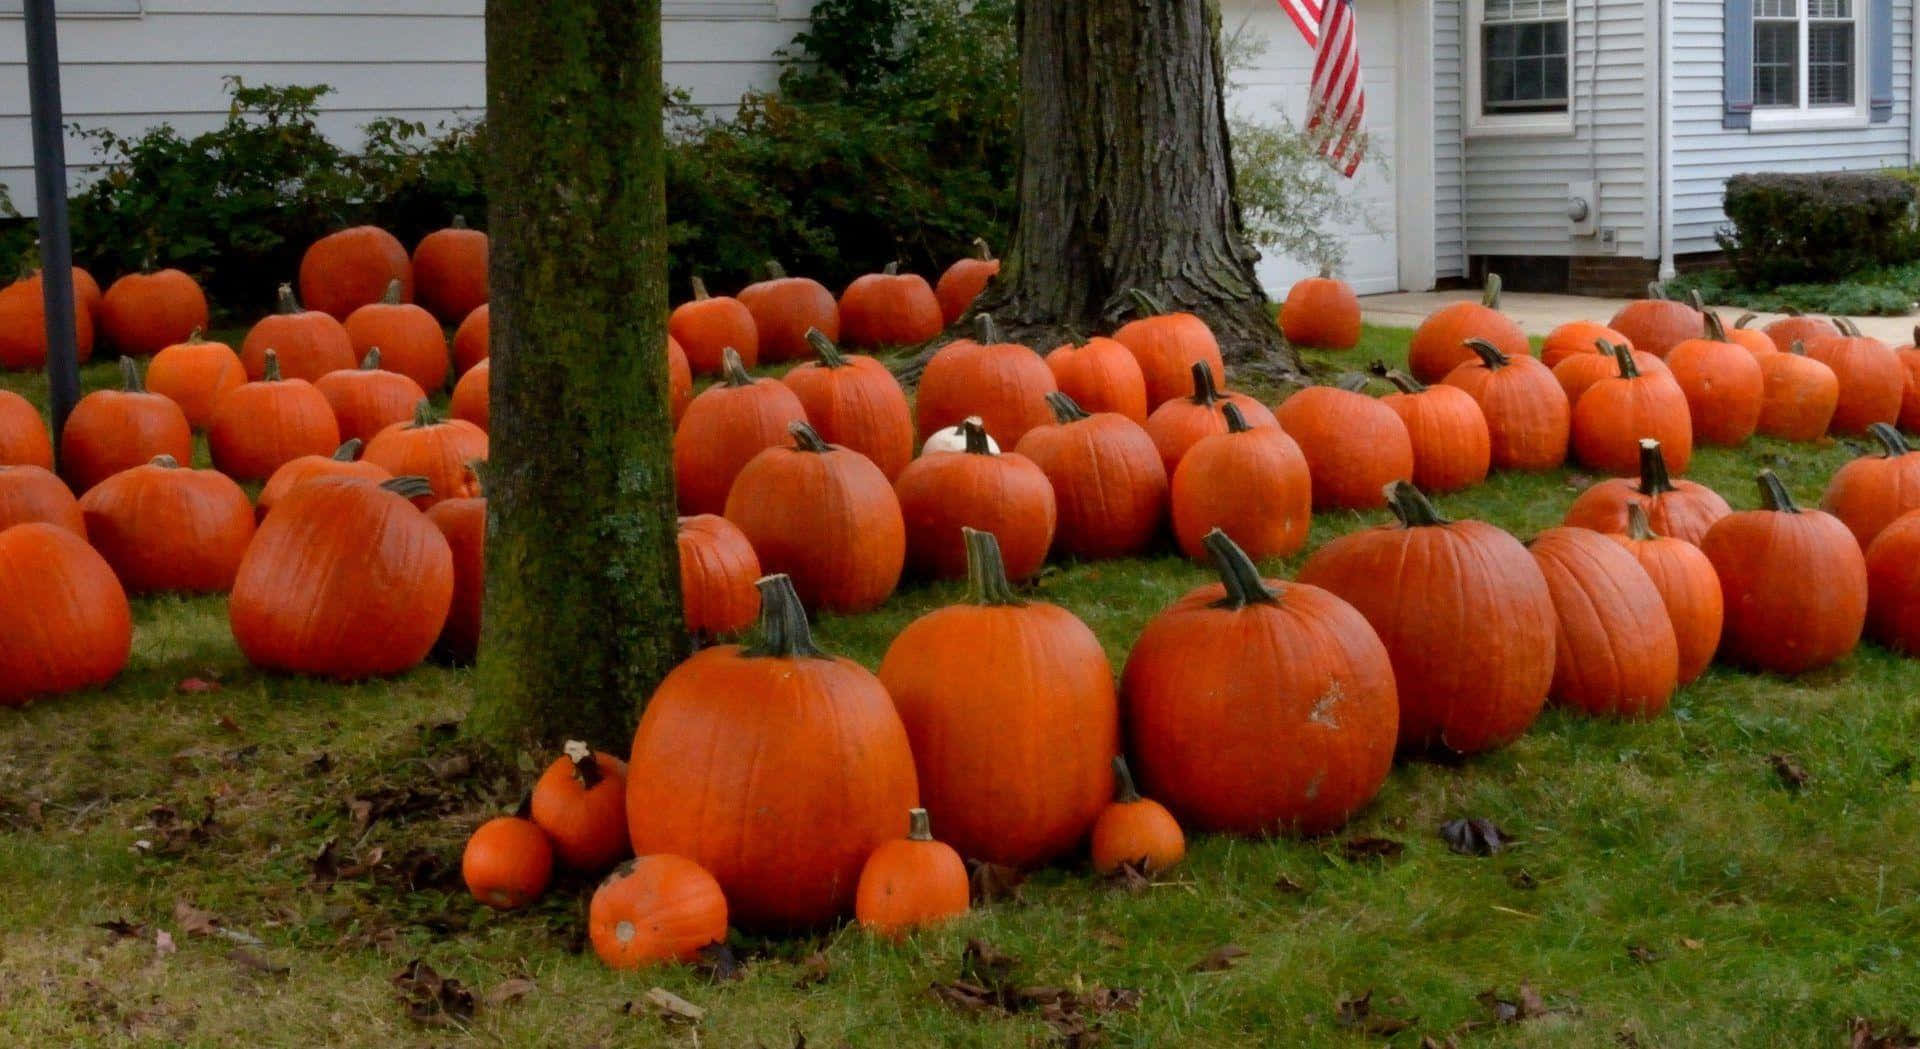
x=418, y=59
x=1705, y=154
x=1449, y=148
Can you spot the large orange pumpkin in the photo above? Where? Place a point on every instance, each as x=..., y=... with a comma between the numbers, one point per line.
x=1872, y=381
x=32, y=493
x=1577, y=338
x=728, y=424
x=775, y=766
x=854, y=401
x=1109, y=484
x=1321, y=312
x=368, y=399
x=264, y=425
x=463, y=521
x=1909, y=356
x=1101, y=375
x=114, y=430
x=450, y=271
x=1893, y=585
x=310, y=343
x=889, y=308
x=1004, y=383
x=440, y=450
x=344, y=462
x=195, y=374
x=1439, y=344
x=1682, y=509
x=999, y=492
x=1615, y=414
x=1167, y=346
x=1870, y=492
x=345, y=270
x=1577, y=372
x=23, y=325
x=1010, y=709
x=706, y=325
x=1615, y=652
x=473, y=396
x=1656, y=324
x=659, y=909
x=1722, y=383
x=1528, y=417
x=164, y=528
x=1253, y=485
x=1464, y=612
x=23, y=434
x=581, y=802
x=1798, y=395
x=1355, y=446
x=964, y=280
x=68, y=624
x=1795, y=328
x=1452, y=448
x=472, y=339
x=717, y=571
x=911, y=882
x=142, y=313
x=1688, y=586
x=1181, y=423
x=1257, y=706
x=785, y=309
x=410, y=340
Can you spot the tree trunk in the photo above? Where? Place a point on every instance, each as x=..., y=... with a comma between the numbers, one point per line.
x=1126, y=178
x=583, y=594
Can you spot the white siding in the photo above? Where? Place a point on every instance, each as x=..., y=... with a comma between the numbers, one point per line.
x=419, y=59
x=1706, y=154
x=1449, y=158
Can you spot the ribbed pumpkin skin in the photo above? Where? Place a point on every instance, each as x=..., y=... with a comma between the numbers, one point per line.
x=1893, y=585
x=1004, y=383
x=31, y=493
x=588, y=825
x=1872, y=382
x=1271, y=718
x=1751, y=340
x=114, y=430
x=828, y=519
x=662, y=909
x=1005, y=494
x=1615, y=651
x=1452, y=448
x=345, y=270
x=344, y=580
x=1167, y=347
x=1181, y=423
x=1656, y=326
x=679, y=382
x=706, y=326
x=1355, y=446
x=1253, y=485
x=717, y=571
x=168, y=528
x=68, y=624
x=472, y=339
x=1109, y=484
x=1466, y=688
x=473, y=396
x=1909, y=356
x=507, y=863
x=1806, y=330
x=1321, y=312
x=1684, y=513
x=889, y=309
x=450, y=272
x=463, y=522
x=23, y=434
x=908, y=884
x=783, y=309
x=1690, y=589
x=309, y=343
x=367, y=401
x=1724, y=389
x=1615, y=414
x=860, y=405
x=1795, y=588
x=962, y=283
x=724, y=428
x=411, y=342
x=296, y=472
x=142, y=313
x=1141, y=833
x=1576, y=338
x=1871, y=492
x=1798, y=397
x=438, y=451
x=23, y=325
x=1529, y=421
x=1101, y=376
x=1438, y=345
x=195, y=375
x=1577, y=372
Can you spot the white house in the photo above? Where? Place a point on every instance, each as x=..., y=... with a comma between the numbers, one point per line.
x=1577, y=144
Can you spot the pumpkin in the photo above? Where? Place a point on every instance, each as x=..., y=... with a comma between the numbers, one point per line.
x=826, y=517
x=31, y=493
x=1257, y=706
x=1528, y=417
x=114, y=430
x=1135, y=832
x=707, y=325
x=1893, y=585
x=1109, y=485
x=1688, y=586
x=345, y=270
x=1578, y=372
x=728, y=424
x=1101, y=375
x=1798, y=395
x=507, y=863
x=472, y=340
x=785, y=309
x=1439, y=344
x=658, y=909
x=1681, y=509
x=463, y=521
x=450, y=271
x=911, y=883
x=344, y=462
x=1870, y=492
x=68, y=624
x=1465, y=615
x=1005, y=494
x=1793, y=328
x=854, y=401
x=23, y=325
x=409, y=339
x=1614, y=414
x=1578, y=338
x=1254, y=485
x=1181, y=423
x=440, y=450
x=963, y=281
x=1321, y=312
x=264, y=425
x=345, y=579
x=1722, y=383
x=1010, y=709
x=164, y=528
x=956, y=439
x=367, y=399
x=1872, y=381
x=1615, y=652
x=144, y=313
x=1004, y=383
x=1451, y=446
x=1752, y=340
x=1355, y=446
x=777, y=767
x=581, y=802
x=309, y=343
x=1168, y=346
x=1909, y=356
x=889, y=308
x=1656, y=324
x=679, y=382
x=1794, y=583
x=717, y=572
x=473, y=396
x=195, y=374
x=23, y=434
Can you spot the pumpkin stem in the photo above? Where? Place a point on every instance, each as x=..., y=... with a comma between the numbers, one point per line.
x=1352, y=382
x=986, y=572
x=1744, y=319
x=1326, y=271
x=1490, y=295
x=1236, y=422
x=1124, y=792
x=1716, y=328
x=1488, y=353
x=1655, y=292
x=974, y=429
x=1891, y=443
x=1401, y=380
x=1412, y=506
x=981, y=251
x=1622, y=356
x=733, y=370
x=1653, y=469
x=392, y=296
x=830, y=355
x=423, y=414
x=585, y=768
x=1799, y=347
x=919, y=827
x=459, y=222
x=130, y=376
x=1065, y=410
x=271, y=372
x=1774, y=494
x=412, y=486
x=285, y=301
x=985, y=332
x=784, y=633
x=1847, y=327
x=1916, y=335
x=1698, y=303
x=1237, y=573
x=1791, y=311
x=371, y=362
x=195, y=335
x=1639, y=528
x=892, y=269
x=775, y=271
x=1145, y=304
x=348, y=451
x=806, y=438
x=164, y=462
x=700, y=290
x=1204, y=392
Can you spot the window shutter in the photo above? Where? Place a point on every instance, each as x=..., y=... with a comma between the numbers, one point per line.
x=1737, y=51
x=1880, y=60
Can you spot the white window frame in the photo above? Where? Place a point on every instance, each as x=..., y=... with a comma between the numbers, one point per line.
x=718, y=10
x=1481, y=124
x=1804, y=117
x=81, y=9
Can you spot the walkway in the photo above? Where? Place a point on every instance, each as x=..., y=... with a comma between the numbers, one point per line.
x=1539, y=314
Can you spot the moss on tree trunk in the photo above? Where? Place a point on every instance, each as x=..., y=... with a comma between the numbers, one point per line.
x=583, y=596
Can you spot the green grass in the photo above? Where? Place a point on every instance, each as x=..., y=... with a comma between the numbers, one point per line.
x=1666, y=887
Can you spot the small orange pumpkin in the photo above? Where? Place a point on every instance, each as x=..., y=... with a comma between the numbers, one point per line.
x=784, y=309
x=581, y=802
x=1656, y=324
x=1752, y=340
x=706, y=325
x=1893, y=585
x=23, y=434
x=1167, y=346
x=310, y=343
x=1181, y=423
x=1870, y=492
x=1321, y=312
x=1109, y=485
x=1253, y=485
x=1723, y=384
x=195, y=374
x=1135, y=831
x=1795, y=328
x=964, y=281
x=473, y=396
x=450, y=271
x=1575, y=338
x=660, y=908
x=1798, y=395
x=164, y=528
x=368, y=399
x=31, y=493
x=344, y=462
x=1000, y=492
x=440, y=450
x=345, y=270
x=1528, y=417
x=911, y=883
x=724, y=427
x=114, y=430
x=854, y=401
x=472, y=339
x=1101, y=375
x=507, y=863
x=463, y=522
x=1616, y=654
x=1872, y=382
x=1355, y=446
x=68, y=626
x=23, y=324
x=1452, y=448
x=889, y=308
x=1577, y=372
x=1614, y=415
x=1439, y=344
x=1004, y=383
x=410, y=340
x=1688, y=586
x=142, y=313
x=1682, y=509
x=717, y=571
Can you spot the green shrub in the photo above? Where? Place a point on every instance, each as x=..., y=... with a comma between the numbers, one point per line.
x=1878, y=291
x=1789, y=229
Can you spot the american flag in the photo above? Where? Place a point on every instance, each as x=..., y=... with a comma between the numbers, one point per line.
x=1337, y=101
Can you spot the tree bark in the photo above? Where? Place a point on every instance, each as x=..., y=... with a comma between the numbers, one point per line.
x=1126, y=178
x=583, y=612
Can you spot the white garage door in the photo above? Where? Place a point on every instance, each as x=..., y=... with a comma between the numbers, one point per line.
x=1277, y=82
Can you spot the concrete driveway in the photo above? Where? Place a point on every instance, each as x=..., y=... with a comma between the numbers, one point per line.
x=1539, y=314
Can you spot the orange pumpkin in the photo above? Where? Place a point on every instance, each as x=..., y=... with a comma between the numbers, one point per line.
x=679, y=382
x=473, y=396
x=114, y=430
x=1004, y=383
x=889, y=308
x=164, y=528
x=717, y=572
x=1452, y=448
x=1893, y=585
x=1167, y=346
x=411, y=342
x=23, y=325
x=724, y=427
x=581, y=802
x=707, y=325
x=1321, y=312
x=23, y=434
x=507, y=863
x=1870, y=492
x=1439, y=344
x=143, y=313
x=195, y=374
x=344, y=462
x=1000, y=492
x=1798, y=395
x=1181, y=423
x=68, y=624
x=911, y=883
x=309, y=343
x=1355, y=446
x=472, y=340
x=785, y=309
x=1135, y=832
x=1578, y=372
x=1109, y=485
x=1795, y=328
x=1872, y=381
x=1656, y=324
x=440, y=450
x=1909, y=356
x=964, y=281
x=1101, y=375
x=1578, y=338
x=463, y=522
x=368, y=399
x=1688, y=587
x=854, y=401
x=1528, y=417
x=31, y=493
x=1682, y=509
x=1010, y=709
x=450, y=271
x=1253, y=485
x=1614, y=414
x=656, y=910
x=1615, y=652
x=345, y=270
x=1752, y=340
x=1722, y=383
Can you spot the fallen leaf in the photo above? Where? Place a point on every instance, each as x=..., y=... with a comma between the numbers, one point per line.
x=1866, y=1034
x=321, y=763
x=1791, y=773
x=1526, y=1004
x=1358, y=1013
x=431, y=998
x=672, y=1008
x=1428, y=1041
x=1579, y=482
x=1691, y=944
x=993, y=883
x=163, y=943
x=985, y=962
x=1219, y=959
x=813, y=970
x=1382, y=849
x=1520, y=879
x=258, y=963
x=197, y=686
x=452, y=767
x=967, y=997
x=227, y=724
x=1473, y=837
x=1108, y=938
x=1288, y=885
x=324, y=868
x=510, y=990
x=193, y=921
x=1130, y=877
x=1642, y=954
x=720, y=964
x=124, y=929
x=362, y=812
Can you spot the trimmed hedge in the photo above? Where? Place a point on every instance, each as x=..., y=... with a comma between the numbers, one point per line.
x=1816, y=228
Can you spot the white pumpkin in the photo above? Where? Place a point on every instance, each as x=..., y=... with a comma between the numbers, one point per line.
x=954, y=439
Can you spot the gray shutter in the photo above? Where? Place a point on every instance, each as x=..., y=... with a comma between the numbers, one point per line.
x=1737, y=50
x=1880, y=60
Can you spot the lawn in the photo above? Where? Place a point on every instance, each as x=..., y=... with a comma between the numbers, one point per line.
x=204, y=855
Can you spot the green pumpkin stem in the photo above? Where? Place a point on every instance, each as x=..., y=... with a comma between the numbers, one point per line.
x=1622, y=356
x=1236, y=422
x=423, y=414
x=459, y=222
x=1488, y=353
x=891, y=269
x=412, y=486
x=806, y=438
x=1639, y=528
x=733, y=370
x=783, y=632
x=775, y=271
x=1401, y=380
x=1653, y=469
x=1694, y=300
x=284, y=299
x=371, y=362
x=1655, y=292
x=392, y=296
x=700, y=290
x=1774, y=494
x=270, y=372
x=981, y=251
x=1412, y=506
x=919, y=827
x=1124, y=792
x=1716, y=328
x=1799, y=348
x=823, y=347
x=585, y=768
x=1744, y=319
x=164, y=462
x=348, y=451
x=985, y=331
x=974, y=429
x=130, y=380
x=1352, y=382
x=1237, y=573
x=196, y=335
x=1892, y=445
x=1205, y=393
x=1490, y=294
x=1145, y=304
x=1792, y=311
x=1065, y=409
x=986, y=571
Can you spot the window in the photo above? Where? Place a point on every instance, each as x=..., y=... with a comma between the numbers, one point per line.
x=1805, y=55
x=717, y=10
x=1523, y=54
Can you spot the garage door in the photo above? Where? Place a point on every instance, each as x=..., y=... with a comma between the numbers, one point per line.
x=1277, y=81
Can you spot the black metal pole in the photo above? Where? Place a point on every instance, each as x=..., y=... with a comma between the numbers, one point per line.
x=50, y=184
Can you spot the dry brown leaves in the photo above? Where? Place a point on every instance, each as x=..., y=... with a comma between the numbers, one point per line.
x=1792, y=774
x=1474, y=837
x=431, y=999
x=1866, y=1034
x=1360, y=1015
x=987, y=989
